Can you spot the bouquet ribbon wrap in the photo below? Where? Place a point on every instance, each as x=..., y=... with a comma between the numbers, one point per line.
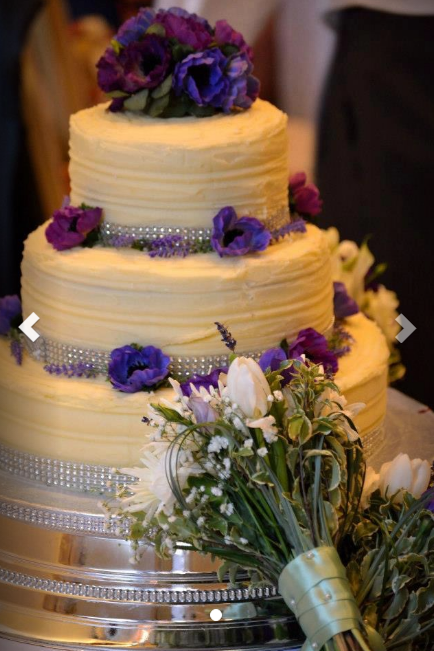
x=315, y=587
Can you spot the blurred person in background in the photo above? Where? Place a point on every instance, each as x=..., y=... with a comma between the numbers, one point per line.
x=20, y=211
x=375, y=157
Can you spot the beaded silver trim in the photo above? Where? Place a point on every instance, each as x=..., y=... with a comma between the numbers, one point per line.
x=63, y=521
x=373, y=440
x=198, y=238
x=62, y=474
x=138, y=595
x=55, y=353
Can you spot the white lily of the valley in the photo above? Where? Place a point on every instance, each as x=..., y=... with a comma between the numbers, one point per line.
x=247, y=387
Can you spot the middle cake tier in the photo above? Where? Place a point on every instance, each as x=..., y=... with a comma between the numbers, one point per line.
x=103, y=298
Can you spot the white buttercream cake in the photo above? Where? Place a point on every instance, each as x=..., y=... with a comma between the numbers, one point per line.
x=174, y=173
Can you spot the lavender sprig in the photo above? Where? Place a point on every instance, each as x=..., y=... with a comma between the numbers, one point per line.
x=72, y=370
x=341, y=340
x=16, y=348
x=227, y=338
x=121, y=241
x=168, y=247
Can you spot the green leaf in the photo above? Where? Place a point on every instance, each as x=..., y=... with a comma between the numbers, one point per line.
x=181, y=51
x=363, y=530
x=117, y=47
x=202, y=111
x=163, y=88
x=157, y=29
x=117, y=93
x=218, y=523
x=138, y=101
x=228, y=50
x=398, y=604
x=262, y=478
x=354, y=577
x=157, y=106
x=244, y=452
x=331, y=518
x=425, y=598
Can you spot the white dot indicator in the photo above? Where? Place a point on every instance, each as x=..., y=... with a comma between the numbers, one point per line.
x=216, y=615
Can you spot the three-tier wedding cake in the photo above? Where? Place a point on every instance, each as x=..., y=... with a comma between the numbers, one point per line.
x=179, y=218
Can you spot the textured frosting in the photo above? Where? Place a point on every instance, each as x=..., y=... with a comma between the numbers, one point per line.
x=179, y=172
x=362, y=375
x=103, y=298
x=87, y=421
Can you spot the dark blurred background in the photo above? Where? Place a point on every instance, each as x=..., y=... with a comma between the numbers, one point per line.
x=356, y=83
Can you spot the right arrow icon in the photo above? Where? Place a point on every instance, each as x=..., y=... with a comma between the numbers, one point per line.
x=407, y=328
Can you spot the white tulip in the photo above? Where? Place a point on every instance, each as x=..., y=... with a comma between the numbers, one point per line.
x=404, y=474
x=372, y=481
x=247, y=387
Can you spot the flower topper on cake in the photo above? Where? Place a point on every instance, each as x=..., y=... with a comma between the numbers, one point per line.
x=173, y=63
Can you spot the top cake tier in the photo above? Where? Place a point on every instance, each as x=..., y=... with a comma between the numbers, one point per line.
x=180, y=172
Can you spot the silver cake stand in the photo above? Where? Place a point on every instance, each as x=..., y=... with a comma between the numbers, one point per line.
x=66, y=580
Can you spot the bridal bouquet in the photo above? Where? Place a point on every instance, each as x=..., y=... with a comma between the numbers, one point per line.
x=266, y=471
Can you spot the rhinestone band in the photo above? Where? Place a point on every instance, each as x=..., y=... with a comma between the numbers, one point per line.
x=198, y=238
x=64, y=521
x=62, y=474
x=56, y=353
x=373, y=440
x=137, y=595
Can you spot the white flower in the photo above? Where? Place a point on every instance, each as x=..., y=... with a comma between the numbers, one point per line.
x=262, y=452
x=218, y=443
x=267, y=425
x=403, y=473
x=278, y=395
x=153, y=491
x=248, y=443
x=200, y=521
x=347, y=250
x=215, y=490
x=372, y=481
x=227, y=508
x=248, y=387
x=381, y=306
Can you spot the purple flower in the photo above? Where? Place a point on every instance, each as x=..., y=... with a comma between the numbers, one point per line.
x=202, y=77
x=71, y=226
x=232, y=236
x=134, y=28
x=343, y=304
x=16, y=349
x=272, y=359
x=304, y=197
x=243, y=87
x=169, y=246
x=340, y=341
x=314, y=345
x=141, y=64
x=188, y=29
x=202, y=410
x=207, y=381
x=10, y=310
x=134, y=369
x=227, y=35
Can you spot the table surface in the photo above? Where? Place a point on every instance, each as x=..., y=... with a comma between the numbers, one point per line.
x=409, y=428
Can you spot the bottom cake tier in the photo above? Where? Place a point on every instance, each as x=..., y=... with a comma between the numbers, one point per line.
x=87, y=422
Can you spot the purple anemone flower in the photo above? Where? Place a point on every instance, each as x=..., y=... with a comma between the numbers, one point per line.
x=207, y=381
x=314, y=345
x=343, y=304
x=134, y=28
x=272, y=359
x=227, y=35
x=202, y=77
x=141, y=64
x=134, y=369
x=202, y=410
x=243, y=87
x=304, y=197
x=70, y=226
x=232, y=236
x=188, y=29
x=10, y=310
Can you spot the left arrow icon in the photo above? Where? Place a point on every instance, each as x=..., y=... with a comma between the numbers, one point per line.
x=27, y=327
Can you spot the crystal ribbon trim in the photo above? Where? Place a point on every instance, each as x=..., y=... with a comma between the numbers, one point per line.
x=199, y=239
x=58, y=354
x=124, y=594
x=62, y=474
x=99, y=479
